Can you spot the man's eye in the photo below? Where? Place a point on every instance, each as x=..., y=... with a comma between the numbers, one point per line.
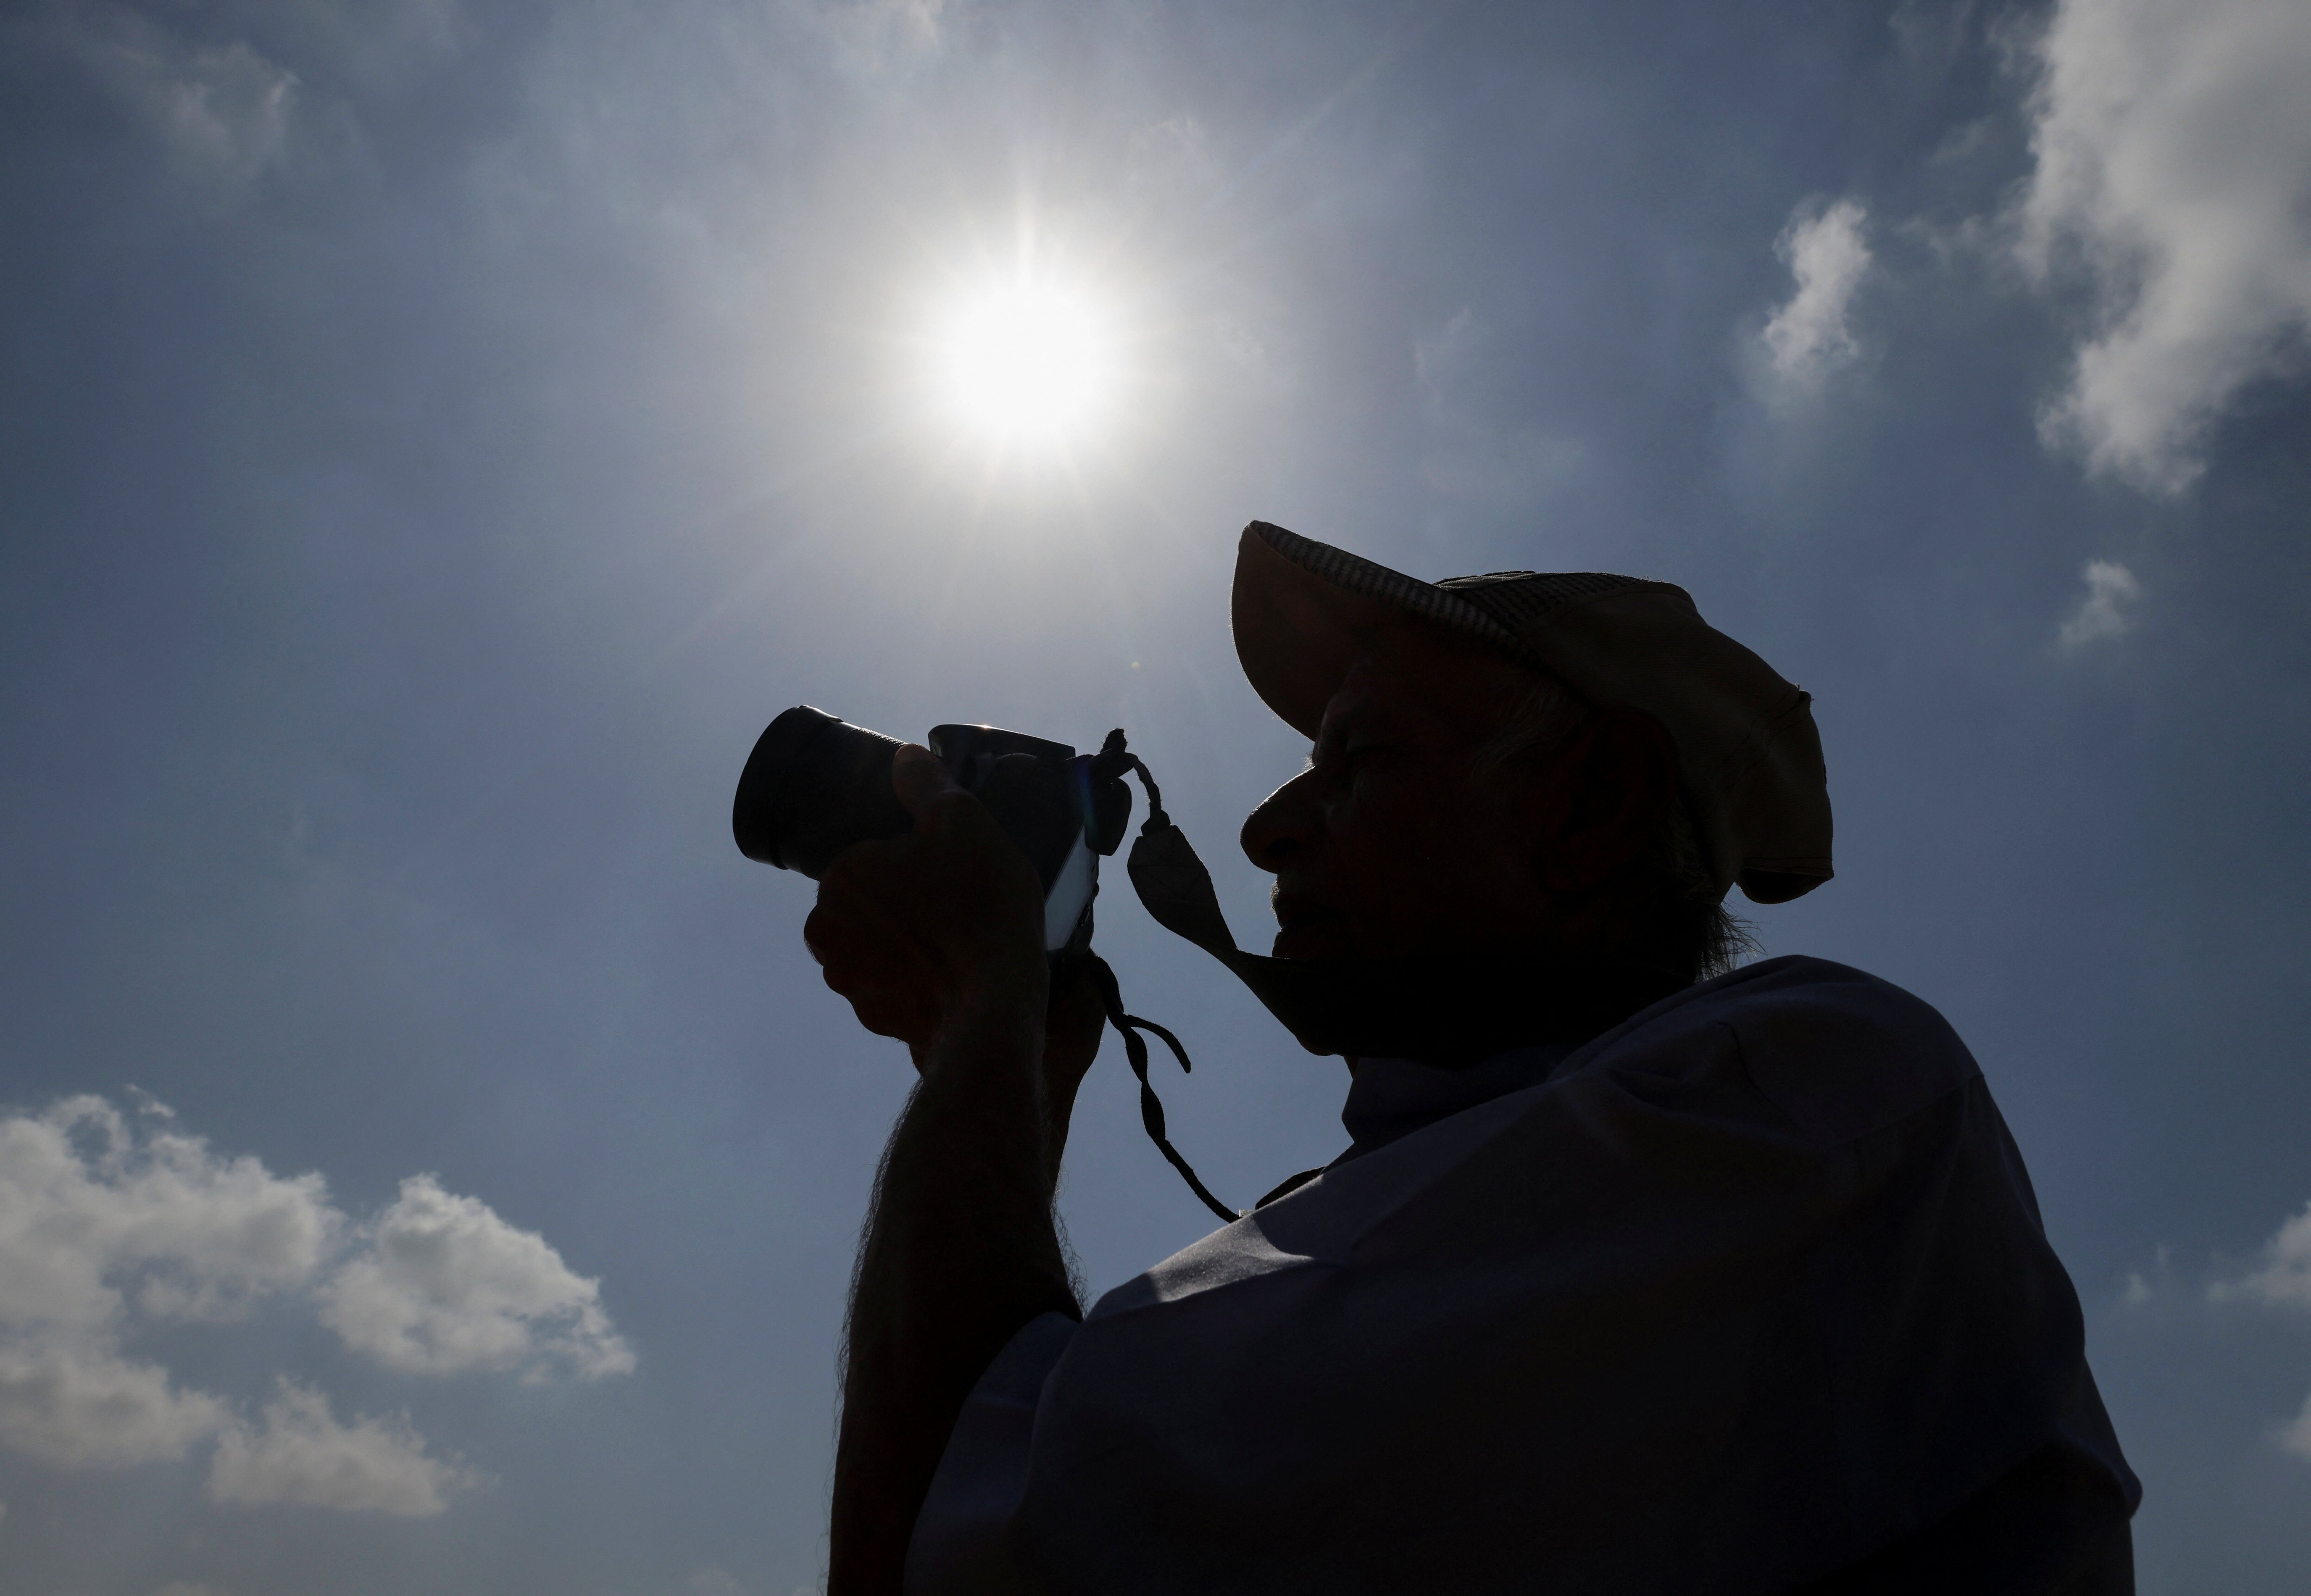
x=1341, y=762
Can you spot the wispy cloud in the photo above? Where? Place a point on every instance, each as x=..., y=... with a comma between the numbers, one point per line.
x=2106, y=609
x=2173, y=168
x=2296, y=1435
x=1467, y=454
x=871, y=36
x=225, y=112
x=2283, y=1281
x=2143, y=1287
x=1811, y=336
x=220, y=113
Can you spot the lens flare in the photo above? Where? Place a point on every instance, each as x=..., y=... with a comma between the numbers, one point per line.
x=1027, y=363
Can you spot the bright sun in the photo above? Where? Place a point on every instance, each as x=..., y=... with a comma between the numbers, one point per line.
x=1027, y=362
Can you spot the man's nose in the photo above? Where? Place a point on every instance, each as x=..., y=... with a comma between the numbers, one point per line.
x=1284, y=825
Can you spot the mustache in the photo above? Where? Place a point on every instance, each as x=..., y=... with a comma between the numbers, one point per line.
x=1298, y=908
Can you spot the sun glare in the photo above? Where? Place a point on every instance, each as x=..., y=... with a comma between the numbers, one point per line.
x=1027, y=362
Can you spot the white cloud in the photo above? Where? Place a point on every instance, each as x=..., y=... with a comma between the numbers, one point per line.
x=2111, y=589
x=2296, y=1435
x=444, y=1284
x=2173, y=144
x=2283, y=1281
x=1809, y=338
x=304, y=1457
x=91, y=1210
x=114, y=1224
x=2285, y=1278
x=101, y=1223
x=2142, y=1287
x=78, y=1405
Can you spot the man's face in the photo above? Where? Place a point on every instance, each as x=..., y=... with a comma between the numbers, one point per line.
x=1395, y=842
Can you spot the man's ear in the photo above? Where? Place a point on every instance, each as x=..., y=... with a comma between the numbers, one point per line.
x=1604, y=799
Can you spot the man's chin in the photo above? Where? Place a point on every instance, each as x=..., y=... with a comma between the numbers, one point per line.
x=1326, y=939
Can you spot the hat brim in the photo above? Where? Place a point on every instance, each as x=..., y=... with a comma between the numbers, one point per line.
x=1299, y=631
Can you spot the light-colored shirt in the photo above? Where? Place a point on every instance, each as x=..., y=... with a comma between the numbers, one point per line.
x=1747, y=1293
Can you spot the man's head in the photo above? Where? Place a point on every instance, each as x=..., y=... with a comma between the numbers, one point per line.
x=1462, y=794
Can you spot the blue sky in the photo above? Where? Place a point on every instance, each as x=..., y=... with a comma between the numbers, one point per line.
x=438, y=437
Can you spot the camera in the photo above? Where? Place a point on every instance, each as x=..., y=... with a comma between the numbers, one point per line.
x=816, y=784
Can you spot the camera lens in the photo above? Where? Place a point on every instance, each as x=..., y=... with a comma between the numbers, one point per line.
x=814, y=786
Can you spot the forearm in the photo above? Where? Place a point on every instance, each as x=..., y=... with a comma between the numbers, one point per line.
x=960, y=1252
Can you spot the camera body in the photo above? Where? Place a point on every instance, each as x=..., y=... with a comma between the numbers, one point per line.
x=816, y=784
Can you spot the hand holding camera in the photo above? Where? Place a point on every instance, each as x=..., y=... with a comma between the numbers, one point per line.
x=925, y=921
x=943, y=928
x=929, y=930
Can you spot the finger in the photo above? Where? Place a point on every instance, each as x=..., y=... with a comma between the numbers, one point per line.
x=1073, y=984
x=919, y=778
x=886, y=990
x=895, y=1015
x=1077, y=1018
x=853, y=939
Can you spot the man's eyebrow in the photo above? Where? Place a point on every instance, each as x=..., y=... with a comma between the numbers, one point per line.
x=1335, y=728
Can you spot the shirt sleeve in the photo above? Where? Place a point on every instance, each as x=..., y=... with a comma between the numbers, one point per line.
x=961, y=1546
x=1749, y=1290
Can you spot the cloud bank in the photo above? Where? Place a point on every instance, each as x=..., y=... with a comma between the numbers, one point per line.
x=113, y=1226
x=2172, y=171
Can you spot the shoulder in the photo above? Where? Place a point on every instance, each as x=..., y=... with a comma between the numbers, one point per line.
x=1839, y=1050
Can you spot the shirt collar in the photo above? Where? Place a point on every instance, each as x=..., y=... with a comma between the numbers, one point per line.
x=1391, y=1098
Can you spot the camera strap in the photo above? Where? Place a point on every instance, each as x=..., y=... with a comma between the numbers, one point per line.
x=1151, y=1110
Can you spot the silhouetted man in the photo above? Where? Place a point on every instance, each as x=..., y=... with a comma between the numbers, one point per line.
x=1642, y=1273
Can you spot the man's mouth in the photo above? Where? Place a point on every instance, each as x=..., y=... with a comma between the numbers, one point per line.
x=1308, y=930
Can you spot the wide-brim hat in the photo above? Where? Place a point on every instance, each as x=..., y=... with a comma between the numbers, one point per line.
x=1749, y=755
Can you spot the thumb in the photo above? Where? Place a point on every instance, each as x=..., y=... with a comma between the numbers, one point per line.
x=919, y=778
